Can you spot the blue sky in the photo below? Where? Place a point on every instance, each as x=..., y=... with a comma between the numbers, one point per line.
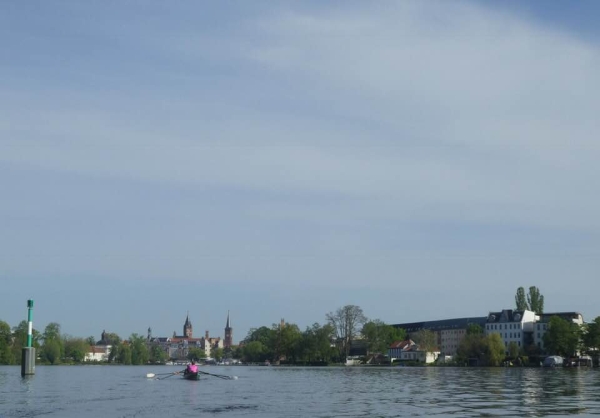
x=279, y=160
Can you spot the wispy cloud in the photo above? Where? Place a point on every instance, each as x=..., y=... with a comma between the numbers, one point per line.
x=338, y=142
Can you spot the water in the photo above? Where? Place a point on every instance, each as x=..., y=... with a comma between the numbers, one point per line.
x=124, y=391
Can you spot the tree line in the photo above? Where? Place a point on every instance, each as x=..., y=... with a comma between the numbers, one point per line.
x=54, y=347
x=326, y=343
x=563, y=338
x=330, y=342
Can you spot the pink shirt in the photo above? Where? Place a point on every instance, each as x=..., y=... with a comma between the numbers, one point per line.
x=192, y=368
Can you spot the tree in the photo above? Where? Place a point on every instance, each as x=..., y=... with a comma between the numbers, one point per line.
x=237, y=352
x=426, y=340
x=380, y=336
x=488, y=350
x=20, y=339
x=513, y=350
x=494, y=350
x=520, y=300
x=266, y=337
x=287, y=338
x=53, y=349
x=315, y=345
x=254, y=351
x=347, y=322
x=52, y=331
x=6, y=354
x=157, y=354
x=470, y=347
x=217, y=353
x=562, y=337
x=139, y=349
x=76, y=349
x=474, y=329
x=196, y=354
x=535, y=300
x=110, y=338
x=591, y=336
x=113, y=355
x=124, y=353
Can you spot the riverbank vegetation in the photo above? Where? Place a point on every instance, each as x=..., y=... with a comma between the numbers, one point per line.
x=346, y=332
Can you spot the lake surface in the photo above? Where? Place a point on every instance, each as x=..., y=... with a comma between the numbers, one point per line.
x=124, y=391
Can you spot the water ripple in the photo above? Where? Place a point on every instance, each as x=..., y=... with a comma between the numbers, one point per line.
x=121, y=391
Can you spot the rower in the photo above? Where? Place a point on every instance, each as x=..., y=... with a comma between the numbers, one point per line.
x=192, y=368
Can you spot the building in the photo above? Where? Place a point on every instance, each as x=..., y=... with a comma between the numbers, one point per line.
x=228, y=340
x=398, y=347
x=101, y=350
x=513, y=327
x=542, y=323
x=178, y=346
x=449, y=332
x=408, y=350
x=98, y=353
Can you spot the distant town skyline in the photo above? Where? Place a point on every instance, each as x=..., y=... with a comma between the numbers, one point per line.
x=421, y=160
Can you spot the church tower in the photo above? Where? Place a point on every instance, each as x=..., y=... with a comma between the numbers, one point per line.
x=228, y=342
x=187, y=327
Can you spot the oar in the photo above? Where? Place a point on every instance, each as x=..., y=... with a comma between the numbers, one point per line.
x=221, y=376
x=169, y=375
x=149, y=375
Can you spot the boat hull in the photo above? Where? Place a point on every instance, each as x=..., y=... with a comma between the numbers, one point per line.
x=191, y=376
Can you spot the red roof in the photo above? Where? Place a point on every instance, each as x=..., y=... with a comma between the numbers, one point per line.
x=403, y=345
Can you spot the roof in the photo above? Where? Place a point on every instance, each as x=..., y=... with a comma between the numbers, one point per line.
x=99, y=349
x=506, y=315
x=178, y=339
x=545, y=317
x=442, y=325
x=402, y=345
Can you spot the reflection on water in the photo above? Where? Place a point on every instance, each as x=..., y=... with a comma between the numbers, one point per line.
x=120, y=391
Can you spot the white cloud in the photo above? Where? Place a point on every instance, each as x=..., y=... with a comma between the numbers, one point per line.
x=432, y=110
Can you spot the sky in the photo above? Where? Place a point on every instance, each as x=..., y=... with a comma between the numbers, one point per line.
x=419, y=159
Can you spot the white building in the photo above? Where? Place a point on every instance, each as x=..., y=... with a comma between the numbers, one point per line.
x=408, y=350
x=98, y=353
x=449, y=332
x=450, y=340
x=542, y=324
x=512, y=325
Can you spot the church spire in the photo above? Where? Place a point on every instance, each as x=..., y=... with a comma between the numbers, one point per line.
x=187, y=327
x=228, y=335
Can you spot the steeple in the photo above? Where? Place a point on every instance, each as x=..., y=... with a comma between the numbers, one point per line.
x=187, y=326
x=228, y=342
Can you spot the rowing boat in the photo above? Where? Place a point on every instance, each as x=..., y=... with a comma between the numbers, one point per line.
x=191, y=375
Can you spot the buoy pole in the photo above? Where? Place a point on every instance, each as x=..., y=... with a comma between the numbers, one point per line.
x=28, y=354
